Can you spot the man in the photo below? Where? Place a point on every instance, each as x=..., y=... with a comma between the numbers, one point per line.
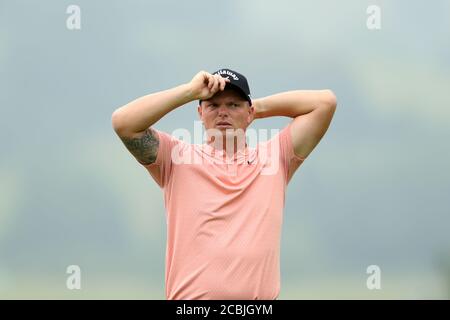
x=224, y=213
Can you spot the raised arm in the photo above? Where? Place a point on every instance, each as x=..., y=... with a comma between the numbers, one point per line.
x=133, y=121
x=312, y=111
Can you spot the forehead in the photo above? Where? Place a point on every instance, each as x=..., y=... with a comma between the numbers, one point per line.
x=227, y=94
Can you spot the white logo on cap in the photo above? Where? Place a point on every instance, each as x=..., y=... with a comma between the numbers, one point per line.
x=235, y=77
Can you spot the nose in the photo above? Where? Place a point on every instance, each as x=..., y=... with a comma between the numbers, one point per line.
x=222, y=109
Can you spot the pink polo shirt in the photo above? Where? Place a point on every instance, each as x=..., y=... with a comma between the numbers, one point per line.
x=223, y=217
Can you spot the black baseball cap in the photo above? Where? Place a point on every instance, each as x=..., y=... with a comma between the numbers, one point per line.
x=237, y=81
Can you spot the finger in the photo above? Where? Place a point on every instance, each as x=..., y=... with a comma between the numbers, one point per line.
x=215, y=87
x=205, y=77
x=219, y=82
x=211, y=80
x=223, y=83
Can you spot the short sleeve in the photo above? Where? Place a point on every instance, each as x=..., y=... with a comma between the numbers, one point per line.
x=289, y=160
x=161, y=169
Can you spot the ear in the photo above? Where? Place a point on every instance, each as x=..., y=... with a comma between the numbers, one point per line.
x=200, y=111
x=251, y=114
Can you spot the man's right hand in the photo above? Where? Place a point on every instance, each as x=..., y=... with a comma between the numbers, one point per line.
x=204, y=85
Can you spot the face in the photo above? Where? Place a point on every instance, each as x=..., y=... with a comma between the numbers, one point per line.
x=226, y=110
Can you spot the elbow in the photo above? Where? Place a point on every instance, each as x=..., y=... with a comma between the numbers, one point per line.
x=117, y=120
x=330, y=99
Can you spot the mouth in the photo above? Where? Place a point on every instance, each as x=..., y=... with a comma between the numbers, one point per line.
x=223, y=123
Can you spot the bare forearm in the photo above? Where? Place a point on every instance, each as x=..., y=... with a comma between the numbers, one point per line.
x=140, y=114
x=293, y=103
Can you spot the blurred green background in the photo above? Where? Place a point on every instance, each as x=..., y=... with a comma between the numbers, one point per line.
x=375, y=190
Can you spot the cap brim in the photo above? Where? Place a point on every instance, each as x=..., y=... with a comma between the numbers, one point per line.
x=242, y=93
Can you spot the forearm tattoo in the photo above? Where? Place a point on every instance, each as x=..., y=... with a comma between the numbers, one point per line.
x=144, y=147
